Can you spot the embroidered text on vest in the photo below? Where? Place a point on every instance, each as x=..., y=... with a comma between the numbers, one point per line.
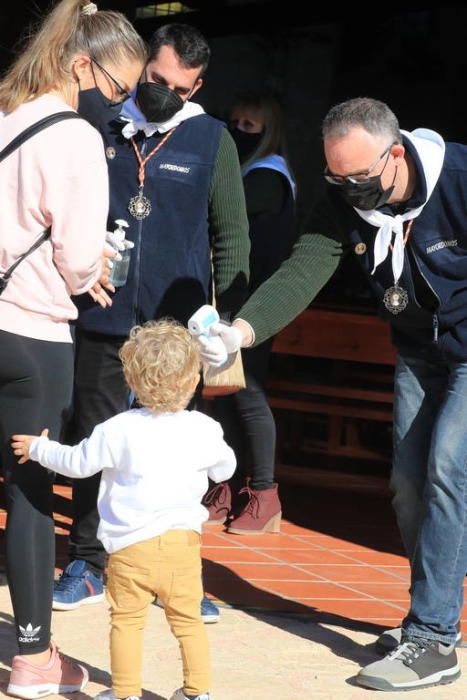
x=177, y=168
x=441, y=245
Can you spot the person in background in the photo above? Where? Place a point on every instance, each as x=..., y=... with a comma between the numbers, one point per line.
x=257, y=127
x=82, y=63
x=155, y=462
x=175, y=179
x=396, y=200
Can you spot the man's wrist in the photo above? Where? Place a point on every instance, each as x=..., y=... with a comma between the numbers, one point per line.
x=248, y=334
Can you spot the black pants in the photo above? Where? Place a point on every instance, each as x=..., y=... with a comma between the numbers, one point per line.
x=248, y=423
x=36, y=379
x=100, y=393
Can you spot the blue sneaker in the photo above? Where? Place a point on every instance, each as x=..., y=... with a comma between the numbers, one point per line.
x=77, y=586
x=209, y=612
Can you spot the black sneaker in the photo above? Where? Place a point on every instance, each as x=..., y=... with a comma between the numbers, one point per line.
x=415, y=663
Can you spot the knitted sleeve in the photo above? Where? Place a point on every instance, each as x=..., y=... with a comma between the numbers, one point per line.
x=228, y=225
x=313, y=260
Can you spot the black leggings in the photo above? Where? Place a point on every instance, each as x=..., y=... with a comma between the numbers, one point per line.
x=248, y=423
x=36, y=379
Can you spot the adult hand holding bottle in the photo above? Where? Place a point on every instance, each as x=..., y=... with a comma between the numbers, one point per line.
x=97, y=291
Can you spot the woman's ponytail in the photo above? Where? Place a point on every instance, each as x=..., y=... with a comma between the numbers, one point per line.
x=73, y=26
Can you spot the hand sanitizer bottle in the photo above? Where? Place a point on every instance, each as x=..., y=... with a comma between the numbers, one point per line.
x=121, y=262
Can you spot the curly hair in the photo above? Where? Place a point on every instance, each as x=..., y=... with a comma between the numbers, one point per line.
x=160, y=362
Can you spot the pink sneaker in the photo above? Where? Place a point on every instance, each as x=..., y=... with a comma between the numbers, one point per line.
x=60, y=675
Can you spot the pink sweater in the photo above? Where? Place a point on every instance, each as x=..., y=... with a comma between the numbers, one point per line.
x=58, y=178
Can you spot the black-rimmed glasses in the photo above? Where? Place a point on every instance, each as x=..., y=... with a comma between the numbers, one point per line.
x=121, y=92
x=357, y=178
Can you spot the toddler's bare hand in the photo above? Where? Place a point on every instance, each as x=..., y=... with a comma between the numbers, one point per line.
x=21, y=445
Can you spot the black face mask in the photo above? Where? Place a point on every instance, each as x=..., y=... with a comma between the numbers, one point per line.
x=246, y=143
x=366, y=195
x=158, y=102
x=96, y=108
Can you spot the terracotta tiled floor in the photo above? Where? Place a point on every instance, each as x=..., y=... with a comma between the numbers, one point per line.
x=338, y=557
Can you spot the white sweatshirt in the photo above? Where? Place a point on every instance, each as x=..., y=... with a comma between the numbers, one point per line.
x=155, y=469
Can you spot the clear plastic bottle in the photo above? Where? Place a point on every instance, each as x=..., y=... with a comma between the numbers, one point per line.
x=121, y=262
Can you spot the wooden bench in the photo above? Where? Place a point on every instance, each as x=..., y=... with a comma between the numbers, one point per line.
x=337, y=334
x=324, y=406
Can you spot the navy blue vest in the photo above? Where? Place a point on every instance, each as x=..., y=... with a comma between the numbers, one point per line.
x=170, y=268
x=435, y=257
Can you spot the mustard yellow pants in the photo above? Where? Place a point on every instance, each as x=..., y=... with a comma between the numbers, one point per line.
x=168, y=566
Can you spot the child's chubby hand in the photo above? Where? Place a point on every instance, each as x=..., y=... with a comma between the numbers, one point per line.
x=21, y=444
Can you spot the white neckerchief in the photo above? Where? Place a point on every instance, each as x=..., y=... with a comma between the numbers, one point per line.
x=430, y=148
x=136, y=121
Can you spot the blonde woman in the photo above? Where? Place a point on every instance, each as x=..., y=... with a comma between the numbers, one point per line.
x=54, y=191
x=155, y=462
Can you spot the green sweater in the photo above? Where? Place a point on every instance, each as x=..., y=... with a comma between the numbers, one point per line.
x=293, y=287
x=228, y=228
x=313, y=260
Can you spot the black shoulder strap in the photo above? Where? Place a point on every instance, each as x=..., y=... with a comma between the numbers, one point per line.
x=34, y=129
x=12, y=146
x=43, y=237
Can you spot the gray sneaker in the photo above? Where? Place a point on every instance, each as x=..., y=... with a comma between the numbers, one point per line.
x=110, y=695
x=390, y=639
x=415, y=663
x=180, y=695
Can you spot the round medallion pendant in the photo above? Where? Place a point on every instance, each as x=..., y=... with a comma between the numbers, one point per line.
x=395, y=299
x=360, y=248
x=139, y=207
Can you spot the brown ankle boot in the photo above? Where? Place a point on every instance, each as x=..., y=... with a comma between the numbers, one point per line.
x=218, y=501
x=261, y=514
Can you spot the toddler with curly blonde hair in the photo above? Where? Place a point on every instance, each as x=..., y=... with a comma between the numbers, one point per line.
x=155, y=462
x=161, y=364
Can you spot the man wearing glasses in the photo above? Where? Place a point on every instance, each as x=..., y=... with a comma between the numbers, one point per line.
x=397, y=201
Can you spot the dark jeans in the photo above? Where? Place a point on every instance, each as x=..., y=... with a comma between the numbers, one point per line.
x=100, y=392
x=429, y=481
x=248, y=423
x=36, y=379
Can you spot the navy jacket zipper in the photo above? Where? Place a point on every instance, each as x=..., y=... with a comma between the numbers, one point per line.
x=435, y=315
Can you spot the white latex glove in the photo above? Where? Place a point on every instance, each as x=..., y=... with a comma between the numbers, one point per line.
x=231, y=336
x=113, y=245
x=222, y=341
x=212, y=350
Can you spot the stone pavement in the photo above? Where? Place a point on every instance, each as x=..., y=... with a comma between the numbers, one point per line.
x=299, y=611
x=255, y=656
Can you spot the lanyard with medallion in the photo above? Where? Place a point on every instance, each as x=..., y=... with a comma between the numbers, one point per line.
x=140, y=206
x=396, y=298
